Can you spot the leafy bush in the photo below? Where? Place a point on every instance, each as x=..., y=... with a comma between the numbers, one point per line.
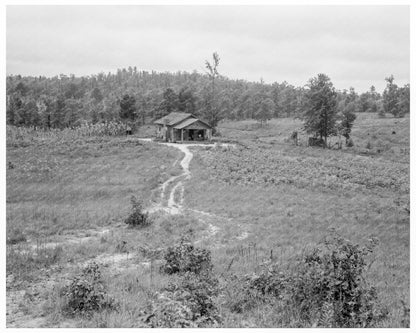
x=188, y=302
x=332, y=280
x=138, y=217
x=327, y=288
x=189, y=299
x=167, y=312
x=87, y=293
x=184, y=257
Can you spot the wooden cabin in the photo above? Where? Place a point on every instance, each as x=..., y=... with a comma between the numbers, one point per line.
x=181, y=127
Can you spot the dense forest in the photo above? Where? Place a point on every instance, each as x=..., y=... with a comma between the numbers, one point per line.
x=140, y=97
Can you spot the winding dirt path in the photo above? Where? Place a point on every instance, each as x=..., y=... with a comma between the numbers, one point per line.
x=174, y=204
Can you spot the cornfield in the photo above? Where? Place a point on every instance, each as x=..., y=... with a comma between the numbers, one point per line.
x=25, y=135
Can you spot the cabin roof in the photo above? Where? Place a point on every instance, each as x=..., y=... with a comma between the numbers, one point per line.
x=188, y=122
x=173, y=118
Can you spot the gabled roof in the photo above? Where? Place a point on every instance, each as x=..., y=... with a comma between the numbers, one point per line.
x=190, y=121
x=173, y=118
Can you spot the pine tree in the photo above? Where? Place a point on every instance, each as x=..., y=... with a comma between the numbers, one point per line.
x=320, y=107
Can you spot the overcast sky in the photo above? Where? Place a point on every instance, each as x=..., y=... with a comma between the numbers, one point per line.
x=355, y=45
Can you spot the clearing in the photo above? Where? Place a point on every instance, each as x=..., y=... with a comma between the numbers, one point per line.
x=257, y=196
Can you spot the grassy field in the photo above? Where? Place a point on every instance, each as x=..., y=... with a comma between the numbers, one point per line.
x=56, y=188
x=264, y=199
x=288, y=197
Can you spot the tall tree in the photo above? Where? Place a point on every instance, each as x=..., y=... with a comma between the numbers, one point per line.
x=186, y=100
x=57, y=115
x=169, y=103
x=347, y=119
x=96, y=95
x=128, y=108
x=265, y=110
x=71, y=112
x=391, y=97
x=14, y=105
x=212, y=110
x=320, y=107
x=404, y=100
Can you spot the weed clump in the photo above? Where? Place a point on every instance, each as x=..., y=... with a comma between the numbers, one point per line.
x=138, y=217
x=24, y=262
x=87, y=293
x=184, y=257
x=15, y=236
x=189, y=301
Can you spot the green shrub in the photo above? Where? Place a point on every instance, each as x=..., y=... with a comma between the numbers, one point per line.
x=87, y=293
x=327, y=287
x=184, y=257
x=332, y=277
x=190, y=298
x=138, y=217
x=167, y=312
x=187, y=302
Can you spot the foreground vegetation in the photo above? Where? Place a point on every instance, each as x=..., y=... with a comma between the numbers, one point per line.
x=306, y=237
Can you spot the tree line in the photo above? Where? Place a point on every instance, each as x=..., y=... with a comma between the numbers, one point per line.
x=140, y=97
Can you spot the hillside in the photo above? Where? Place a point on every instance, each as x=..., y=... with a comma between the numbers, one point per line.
x=258, y=202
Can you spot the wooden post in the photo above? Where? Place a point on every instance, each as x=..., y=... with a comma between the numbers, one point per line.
x=182, y=135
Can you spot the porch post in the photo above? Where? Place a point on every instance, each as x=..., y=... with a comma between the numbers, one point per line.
x=182, y=135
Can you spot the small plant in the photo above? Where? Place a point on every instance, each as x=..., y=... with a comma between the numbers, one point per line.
x=15, y=236
x=87, y=293
x=406, y=315
x=122, y=247
x=239, y=297
x=350, y=143
x=381, y=113
x=187, y=302
x=184, y=257
x=168, y=313
x=138, y=217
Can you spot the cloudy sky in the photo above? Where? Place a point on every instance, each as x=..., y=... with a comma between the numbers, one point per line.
x=355, y=45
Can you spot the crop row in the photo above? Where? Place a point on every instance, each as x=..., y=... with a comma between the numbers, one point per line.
x=18, y=136
x=271, y=167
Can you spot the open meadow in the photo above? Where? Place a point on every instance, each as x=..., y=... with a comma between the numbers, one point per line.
x=259, y=200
